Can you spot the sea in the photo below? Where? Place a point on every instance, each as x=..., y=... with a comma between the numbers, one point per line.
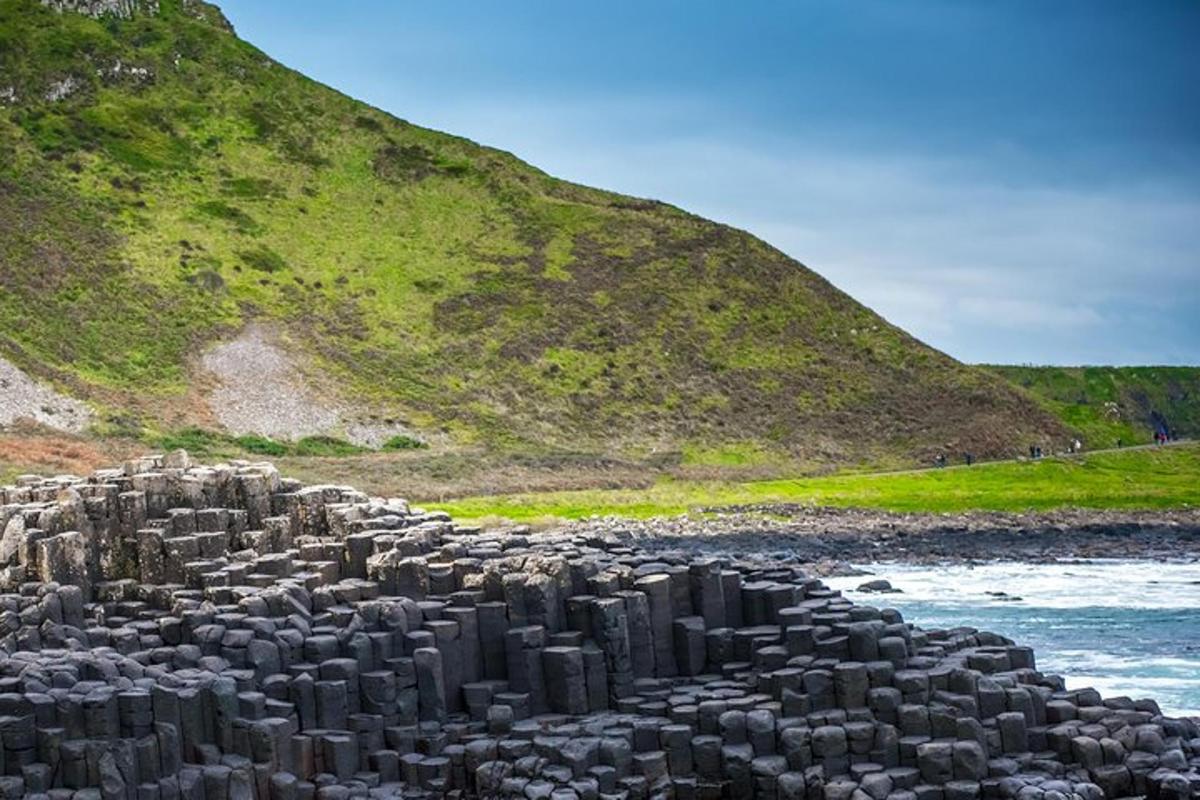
x=1122, y=627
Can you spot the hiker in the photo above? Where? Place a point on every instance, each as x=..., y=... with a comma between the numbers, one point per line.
x=969, y=457
x=1076, y=446
x=1032, y=452
x=940, y=461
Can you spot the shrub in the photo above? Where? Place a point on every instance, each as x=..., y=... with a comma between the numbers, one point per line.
x=325, y=446
x=195, y=440
x=263, y=259
x=231, y=214
x=401, y=442
x=251, y=188
x=261, y=445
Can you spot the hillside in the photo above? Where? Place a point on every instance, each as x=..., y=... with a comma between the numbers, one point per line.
x=1107, y=404
x=198, y=237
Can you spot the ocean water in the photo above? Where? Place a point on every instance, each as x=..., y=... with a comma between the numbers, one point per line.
x=1123, y=627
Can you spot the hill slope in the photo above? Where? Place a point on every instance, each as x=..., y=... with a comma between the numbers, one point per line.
x=1106, y=404
x=166, y=187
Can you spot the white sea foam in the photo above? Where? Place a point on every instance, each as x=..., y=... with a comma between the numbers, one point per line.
x=1158, y=688
x=1101, y=583
x=1121, y=627
x=1114, y=661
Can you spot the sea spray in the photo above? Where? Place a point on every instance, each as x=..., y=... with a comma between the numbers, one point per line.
x=1122, y=627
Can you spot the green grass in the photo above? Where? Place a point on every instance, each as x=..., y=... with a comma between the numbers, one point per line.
x=440, y=282
x=197, y=441
x=734, y=454
x=1107, y=404
x=401, y=442
x=261, y=445
x=1133, y=479
x=325, y=447
x=213, y=444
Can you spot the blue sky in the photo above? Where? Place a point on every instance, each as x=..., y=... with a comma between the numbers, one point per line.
x=1013, y=182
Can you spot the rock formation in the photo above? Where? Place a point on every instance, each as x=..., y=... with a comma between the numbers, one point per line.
x=173, y=631
x=121, y=9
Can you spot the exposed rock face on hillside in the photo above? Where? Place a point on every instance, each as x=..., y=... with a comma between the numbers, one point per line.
x=222, y=632
x=23, y=398
x=122, y=9
x=262, y=390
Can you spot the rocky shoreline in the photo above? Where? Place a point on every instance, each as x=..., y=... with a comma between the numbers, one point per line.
x=174, y=631
x=826, y=539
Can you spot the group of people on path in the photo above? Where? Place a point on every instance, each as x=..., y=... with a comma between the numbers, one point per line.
x=1074, y=446
x=1161, y=436
x=940, y=459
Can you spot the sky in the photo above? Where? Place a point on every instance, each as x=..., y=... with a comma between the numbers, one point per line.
x=1012, y=182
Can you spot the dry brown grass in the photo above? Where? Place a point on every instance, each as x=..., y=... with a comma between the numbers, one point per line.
x=425, y=476
x=433, y=477
x=421, y=476
x=31, y=449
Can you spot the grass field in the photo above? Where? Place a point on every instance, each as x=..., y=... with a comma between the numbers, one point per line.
x=486, y=488
x=1144, y=478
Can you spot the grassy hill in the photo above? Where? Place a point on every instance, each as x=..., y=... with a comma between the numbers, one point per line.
x=164, y=185
x=1107, y=404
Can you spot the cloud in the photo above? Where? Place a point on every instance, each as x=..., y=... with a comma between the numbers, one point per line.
x=1026, y=313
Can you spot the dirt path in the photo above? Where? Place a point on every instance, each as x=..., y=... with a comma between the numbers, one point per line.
x=1023, y=459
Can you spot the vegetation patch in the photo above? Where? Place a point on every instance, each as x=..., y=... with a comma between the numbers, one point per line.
x=744, y=454
x=203, y=442
x=263, y=259
x=199, y=441
x=326, y=446
x=1110, y=405
x=401, y=442
x=1166, y=477
x=216, y=209
x=251, y=188
x=261, y=445
x=406, y=163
